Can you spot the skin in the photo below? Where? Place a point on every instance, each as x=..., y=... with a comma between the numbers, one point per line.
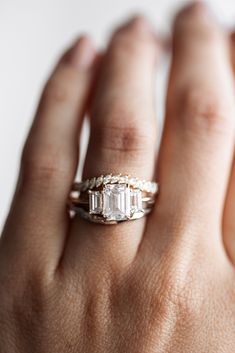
x=162, y=284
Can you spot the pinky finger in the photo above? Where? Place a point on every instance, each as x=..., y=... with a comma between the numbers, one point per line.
x=229, y=213
x=229, y=218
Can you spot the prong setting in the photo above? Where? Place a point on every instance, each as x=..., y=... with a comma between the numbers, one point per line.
x=111, y=198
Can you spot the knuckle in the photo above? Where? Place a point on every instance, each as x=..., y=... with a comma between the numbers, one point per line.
x=177, y=287
x=32, y=286
x=61, y=87
x=204, y=112
x=122, y=139
x=176, y=296
x=31, y=302
x=42, y=169
x=164, y=297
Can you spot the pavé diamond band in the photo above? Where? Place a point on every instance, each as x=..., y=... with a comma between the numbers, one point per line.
x=111, y=198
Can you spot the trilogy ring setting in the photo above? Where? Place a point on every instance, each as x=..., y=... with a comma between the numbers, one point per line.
x=111, y=199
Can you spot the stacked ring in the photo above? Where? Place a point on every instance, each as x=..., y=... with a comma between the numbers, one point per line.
x=111, y=198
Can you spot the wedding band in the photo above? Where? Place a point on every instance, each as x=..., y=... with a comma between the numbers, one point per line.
x=111, y=199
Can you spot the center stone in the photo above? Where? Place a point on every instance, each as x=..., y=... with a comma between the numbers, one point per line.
x=116, y=200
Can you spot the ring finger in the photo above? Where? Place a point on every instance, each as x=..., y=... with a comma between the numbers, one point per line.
x=123, y=132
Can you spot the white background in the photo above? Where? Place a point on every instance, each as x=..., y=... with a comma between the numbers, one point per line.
x=33, y=34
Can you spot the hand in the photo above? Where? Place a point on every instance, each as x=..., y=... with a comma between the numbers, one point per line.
x=164, y=283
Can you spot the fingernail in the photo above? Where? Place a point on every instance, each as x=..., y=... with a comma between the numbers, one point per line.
x=198, y=7
x=139, y=23
x=82, y=53
x=195, y=6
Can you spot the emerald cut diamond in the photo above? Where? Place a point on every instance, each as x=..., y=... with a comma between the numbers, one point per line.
x=116, y=202
x=95, y=202
x=136, y=201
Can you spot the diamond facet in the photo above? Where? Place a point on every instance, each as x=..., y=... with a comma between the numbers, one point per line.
x=123, y=179
x=95, y=202
x=147, y=186
x=136, y=201
x=154, y=188
x=107, y=179
x=92, y=183
x=140, y=184
x=114, y=179
x=133, y=181
x=99, y=181
x=116, y=202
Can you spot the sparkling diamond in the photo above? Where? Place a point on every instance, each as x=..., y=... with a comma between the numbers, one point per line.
x=99, y=181
x=107, y=179
x=154, y=188
x=92, y=183
x=114, y=179
x=123, y=179
x=132, y=181
x=136, y=201
x=95, y=202
x=147, y=186
x=116, y=202
x=139, y=184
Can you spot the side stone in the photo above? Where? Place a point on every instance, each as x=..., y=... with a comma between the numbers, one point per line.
x=95, y=202
x=136, y=201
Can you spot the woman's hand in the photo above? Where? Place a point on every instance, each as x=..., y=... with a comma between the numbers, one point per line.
x=160, y=284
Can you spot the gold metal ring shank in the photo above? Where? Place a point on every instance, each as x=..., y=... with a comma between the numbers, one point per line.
x=112, y=199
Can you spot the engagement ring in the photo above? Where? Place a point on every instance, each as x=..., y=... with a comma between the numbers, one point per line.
x=111, y=198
